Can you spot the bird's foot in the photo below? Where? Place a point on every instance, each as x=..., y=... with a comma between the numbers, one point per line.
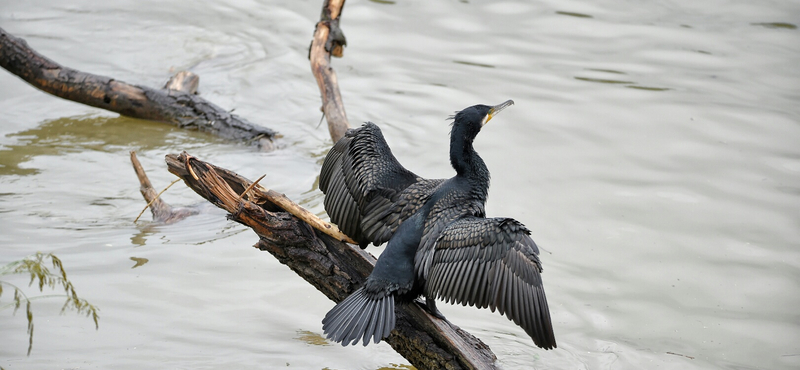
x=430, y=306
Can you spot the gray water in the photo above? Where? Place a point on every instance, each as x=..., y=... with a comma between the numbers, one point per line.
x=654, y=152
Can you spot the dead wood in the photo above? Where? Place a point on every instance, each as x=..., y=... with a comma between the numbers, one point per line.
x=185, y=81
x=335, y=268
x=176, y=106
x=162, y=212
x=329, y=40
x=303, y=214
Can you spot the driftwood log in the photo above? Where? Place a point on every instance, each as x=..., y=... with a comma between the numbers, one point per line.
x=176, y=106
x=335, y=268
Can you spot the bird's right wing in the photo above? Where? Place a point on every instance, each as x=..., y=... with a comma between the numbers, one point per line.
x=491, y=262
x=368, y=193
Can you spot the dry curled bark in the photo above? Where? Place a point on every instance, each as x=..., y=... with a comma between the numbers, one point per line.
x=329, y=40
x=169, y=105
x=335, y=268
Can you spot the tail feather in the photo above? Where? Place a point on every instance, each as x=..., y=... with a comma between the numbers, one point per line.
x=337, y=319
x=360, y=317
x=360, y=323
x=377, y=316
x=388, y=320
x=350, y=330
x=334, y=320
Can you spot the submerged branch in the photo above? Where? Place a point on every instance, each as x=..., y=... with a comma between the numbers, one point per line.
x=162, y=212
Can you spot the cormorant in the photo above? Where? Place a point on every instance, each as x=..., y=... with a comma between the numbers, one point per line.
x=441, y=245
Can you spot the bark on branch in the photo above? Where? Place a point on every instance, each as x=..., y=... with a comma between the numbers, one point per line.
x=335, y=268
x=169, y=105
x=329, y=40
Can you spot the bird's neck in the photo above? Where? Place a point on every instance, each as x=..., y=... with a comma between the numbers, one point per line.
x=469, y=166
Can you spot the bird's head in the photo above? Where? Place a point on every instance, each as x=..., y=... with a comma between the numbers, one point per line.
x=473, y=118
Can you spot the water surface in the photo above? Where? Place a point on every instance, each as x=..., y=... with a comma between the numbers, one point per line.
x=653, y=152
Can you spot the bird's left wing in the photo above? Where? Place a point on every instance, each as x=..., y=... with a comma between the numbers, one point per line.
x=368, y=193
x=492, y=262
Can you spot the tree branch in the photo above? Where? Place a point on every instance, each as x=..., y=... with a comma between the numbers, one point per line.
x=329, y=40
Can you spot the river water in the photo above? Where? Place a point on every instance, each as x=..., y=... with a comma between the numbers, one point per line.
x=654, y=152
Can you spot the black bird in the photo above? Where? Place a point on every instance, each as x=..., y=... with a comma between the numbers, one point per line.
x=441, y=245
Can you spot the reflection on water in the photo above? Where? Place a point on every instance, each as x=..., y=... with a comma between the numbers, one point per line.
x=140, y=238
x=776, y=25
x=648, y=88
x=89, y=133
x=573, y=14
x=611, y=81
x=603, y=80
x=473, y=64
x=312, y=338
x=139, y=261
x=397, y=366
x=652, y=151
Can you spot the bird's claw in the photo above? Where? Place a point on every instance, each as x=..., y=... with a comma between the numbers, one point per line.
x=430, y=306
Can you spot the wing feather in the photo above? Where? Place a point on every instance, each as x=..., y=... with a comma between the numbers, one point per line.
x=368, y=193
x=491, y=262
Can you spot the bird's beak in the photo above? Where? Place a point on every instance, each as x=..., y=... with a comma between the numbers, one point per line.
x=496, y=109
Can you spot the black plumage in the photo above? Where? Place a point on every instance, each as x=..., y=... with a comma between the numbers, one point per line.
x=440, y=243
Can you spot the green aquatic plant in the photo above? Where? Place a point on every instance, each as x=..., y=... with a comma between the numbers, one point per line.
x=36, y=266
